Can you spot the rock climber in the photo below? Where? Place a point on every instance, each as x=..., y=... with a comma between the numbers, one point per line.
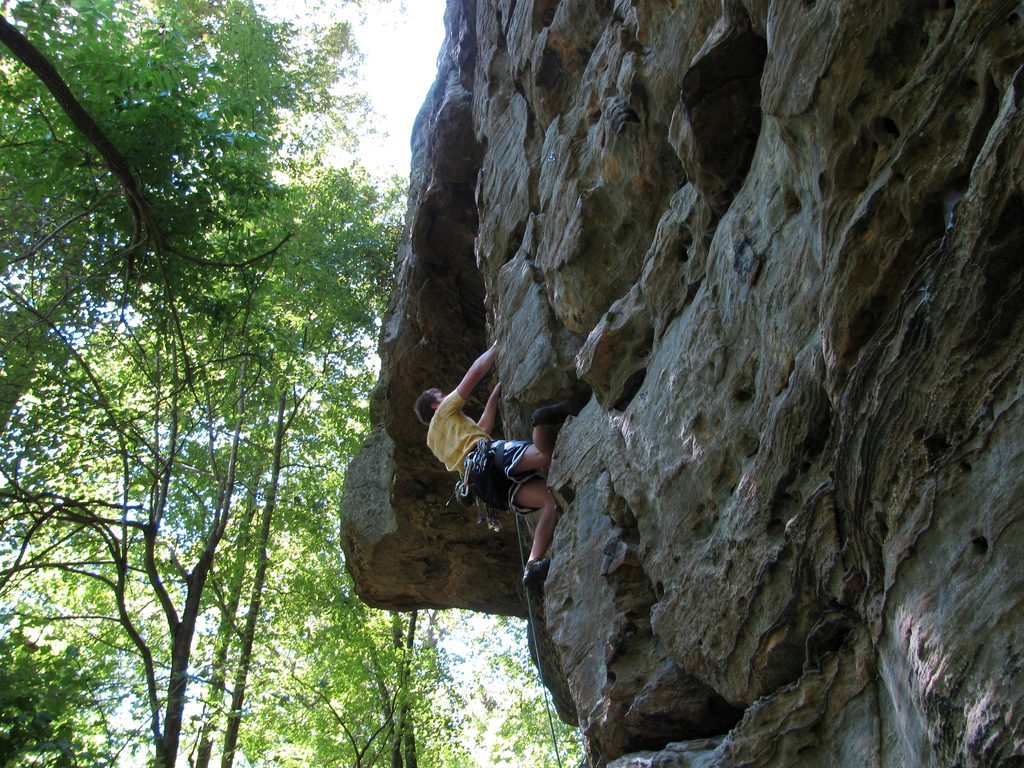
x=506, y=473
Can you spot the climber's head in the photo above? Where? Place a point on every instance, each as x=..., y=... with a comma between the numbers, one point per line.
x=427, y=403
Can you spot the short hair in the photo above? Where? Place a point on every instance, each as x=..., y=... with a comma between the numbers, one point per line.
x=424, y=403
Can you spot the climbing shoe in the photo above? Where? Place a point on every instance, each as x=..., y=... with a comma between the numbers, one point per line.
x=557, y=413
x=536, y=571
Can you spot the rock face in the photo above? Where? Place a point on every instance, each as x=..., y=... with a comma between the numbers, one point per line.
x=782, y=245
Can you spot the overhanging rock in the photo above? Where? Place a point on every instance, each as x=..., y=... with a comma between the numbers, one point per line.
x=780, y=243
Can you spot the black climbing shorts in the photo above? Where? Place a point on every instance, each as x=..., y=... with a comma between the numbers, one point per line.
x=498, y=483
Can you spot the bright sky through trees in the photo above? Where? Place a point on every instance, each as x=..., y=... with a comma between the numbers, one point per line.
x=400, y=41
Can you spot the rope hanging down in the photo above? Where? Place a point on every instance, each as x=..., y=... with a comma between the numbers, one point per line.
x=536, y=645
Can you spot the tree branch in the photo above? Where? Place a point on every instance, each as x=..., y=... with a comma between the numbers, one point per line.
x=25, y=52
x=46, y=239
x=74, y=510
x=8, y=573
x=239, y=264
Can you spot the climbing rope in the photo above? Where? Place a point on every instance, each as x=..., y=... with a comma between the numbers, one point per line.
x=536, y=645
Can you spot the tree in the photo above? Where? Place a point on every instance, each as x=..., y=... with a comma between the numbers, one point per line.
x=505, y=713
x=190, y=299
x=41, y=689
x=157, y=314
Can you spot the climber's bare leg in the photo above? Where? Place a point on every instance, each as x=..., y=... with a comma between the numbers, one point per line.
x=535, y=494
x=538, y=455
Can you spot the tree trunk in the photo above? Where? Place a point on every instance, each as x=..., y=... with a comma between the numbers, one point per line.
x=183, y=630
x=403, y=744
x=218, y=675
x=256, y=599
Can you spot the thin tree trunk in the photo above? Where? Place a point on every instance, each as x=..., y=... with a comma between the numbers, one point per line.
x=218, y=676
x=183, y=629
x=181, y=650
x=256, y=600
x=404, y=740
x=407, y=721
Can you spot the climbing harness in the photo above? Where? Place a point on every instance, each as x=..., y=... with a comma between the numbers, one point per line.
x=486, y=483
x=475, y=463
x=485, y=515
x=472, y=477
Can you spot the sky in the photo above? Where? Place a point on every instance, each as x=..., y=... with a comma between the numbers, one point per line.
x=400, y=41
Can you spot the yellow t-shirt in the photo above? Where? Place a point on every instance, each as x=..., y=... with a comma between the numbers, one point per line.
x=452, y=434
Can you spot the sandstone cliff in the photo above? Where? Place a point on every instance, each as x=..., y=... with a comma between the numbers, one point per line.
x=780, y=242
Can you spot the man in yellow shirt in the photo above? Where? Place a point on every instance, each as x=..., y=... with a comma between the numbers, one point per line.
x=511, y=477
